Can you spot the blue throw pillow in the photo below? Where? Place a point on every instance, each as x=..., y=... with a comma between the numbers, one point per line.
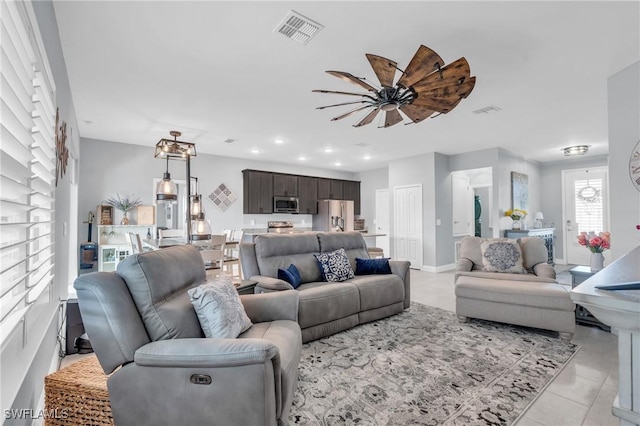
x=290, y=275
x=372, y=266
x=335, y=266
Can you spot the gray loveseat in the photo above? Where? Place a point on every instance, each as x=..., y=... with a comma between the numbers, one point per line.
x=326, y=308
x=142, y=325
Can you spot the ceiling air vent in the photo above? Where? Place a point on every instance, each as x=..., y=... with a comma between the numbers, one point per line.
x=487, y=110
x=298, y=27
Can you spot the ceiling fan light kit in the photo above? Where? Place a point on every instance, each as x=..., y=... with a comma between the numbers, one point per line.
x=426, y=88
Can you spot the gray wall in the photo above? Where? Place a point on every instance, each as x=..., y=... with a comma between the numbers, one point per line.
x=110, y=168
x=370, y=181
x=624, y=133
x=551, y=200
x=25, y=362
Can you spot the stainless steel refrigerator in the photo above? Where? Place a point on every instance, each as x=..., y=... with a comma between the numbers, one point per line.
x=334, y=216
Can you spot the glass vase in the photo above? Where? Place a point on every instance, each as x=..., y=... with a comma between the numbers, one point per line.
x=597, y=262
x=516, y=225
x=125, y=219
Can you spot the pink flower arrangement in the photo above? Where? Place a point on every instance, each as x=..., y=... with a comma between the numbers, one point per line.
x=595, y=243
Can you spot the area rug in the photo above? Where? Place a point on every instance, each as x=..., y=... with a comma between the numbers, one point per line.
x=424, y=367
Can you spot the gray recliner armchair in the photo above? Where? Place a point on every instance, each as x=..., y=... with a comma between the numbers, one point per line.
x=142, y=326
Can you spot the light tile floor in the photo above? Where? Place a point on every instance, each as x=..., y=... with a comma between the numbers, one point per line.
x=582, y=394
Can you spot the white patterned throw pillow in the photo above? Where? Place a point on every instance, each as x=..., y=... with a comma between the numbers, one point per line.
x=335, y=266
x=502, y=255
x=219, y=308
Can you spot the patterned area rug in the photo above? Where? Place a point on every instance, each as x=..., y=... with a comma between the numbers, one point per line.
x=424, y=367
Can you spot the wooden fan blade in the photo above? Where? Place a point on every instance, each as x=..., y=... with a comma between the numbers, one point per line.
x=443, y=105
x=343, y=103
x=461, y=90
x=352, y=79
x=392, y=117
x=416, y=114
x=384, y=68
x=422, y=64
x=368, y=118
x=451, y=74
x=336, y=92
x=349, y=113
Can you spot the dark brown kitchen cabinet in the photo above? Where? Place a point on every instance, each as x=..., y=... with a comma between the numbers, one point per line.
x=285, y=185
x=258, y=192
x=308, y=195
x=351, y=191
x=329, y=189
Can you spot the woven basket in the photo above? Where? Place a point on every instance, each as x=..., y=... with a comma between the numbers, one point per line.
x=77, y=395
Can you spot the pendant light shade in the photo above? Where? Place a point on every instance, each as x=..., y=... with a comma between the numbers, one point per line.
x=200, y=228
x=166, y=191
x=196, y=206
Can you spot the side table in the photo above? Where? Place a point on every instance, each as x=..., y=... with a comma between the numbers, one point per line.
x=245, y=286
x=580, y=274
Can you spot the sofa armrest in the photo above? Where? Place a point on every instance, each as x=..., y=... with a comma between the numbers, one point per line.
x=281, y=305
x=544, y=270
x=206, y=353
x=464, y=265
x=401, y=269
x=268, y=284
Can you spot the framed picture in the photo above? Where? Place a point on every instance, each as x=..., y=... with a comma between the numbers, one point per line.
x=519, y=191
x=146, y=215
x=105, y=215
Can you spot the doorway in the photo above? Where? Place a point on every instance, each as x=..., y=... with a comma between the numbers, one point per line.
x=382, y=219
x=585, y=209
x=407, y=224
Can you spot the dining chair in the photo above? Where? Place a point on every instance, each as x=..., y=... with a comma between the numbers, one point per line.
x=135, y=242
x=170, y=233
x=232, y=254
x=213, y=254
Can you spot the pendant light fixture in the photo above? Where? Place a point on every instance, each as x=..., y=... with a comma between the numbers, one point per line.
x=200, y=227
x=166, y=190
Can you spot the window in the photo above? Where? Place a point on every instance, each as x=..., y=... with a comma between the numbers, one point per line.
x=589, y=205
x=27, y=169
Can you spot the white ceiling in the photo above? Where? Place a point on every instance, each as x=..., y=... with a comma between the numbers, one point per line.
x=217, y=71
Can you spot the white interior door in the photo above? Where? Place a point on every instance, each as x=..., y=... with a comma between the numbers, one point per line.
x=382, y=220
x=407, y=221
x=585, y=209
x=462, y=205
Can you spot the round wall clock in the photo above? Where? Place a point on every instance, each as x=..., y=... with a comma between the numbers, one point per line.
x=634, y=166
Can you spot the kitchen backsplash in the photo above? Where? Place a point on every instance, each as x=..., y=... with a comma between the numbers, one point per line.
x=259, y=221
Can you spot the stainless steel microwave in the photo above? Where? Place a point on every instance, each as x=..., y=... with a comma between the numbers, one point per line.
x=285, y=205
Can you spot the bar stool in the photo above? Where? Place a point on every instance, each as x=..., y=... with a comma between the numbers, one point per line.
x=375, y=252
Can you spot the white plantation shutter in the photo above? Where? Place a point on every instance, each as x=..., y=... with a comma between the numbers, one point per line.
x=589, y=205
x=27, y=170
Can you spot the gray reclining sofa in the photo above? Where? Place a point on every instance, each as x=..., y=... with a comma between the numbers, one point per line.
x=326, y=308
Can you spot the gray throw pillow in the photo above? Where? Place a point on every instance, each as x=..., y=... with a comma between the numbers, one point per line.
x=502, y=255
x=335, y=266
x=219, y=308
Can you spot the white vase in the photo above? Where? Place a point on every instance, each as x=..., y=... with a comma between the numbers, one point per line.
x=516, y=225
x=597, y=262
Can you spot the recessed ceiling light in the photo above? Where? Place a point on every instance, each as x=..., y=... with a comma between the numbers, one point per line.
x=255, y=151
x=328, y=150
x=367, y=157
x=88, y=121
x=279, y=141
x=302, y=158
x=337, y=163
x=576, y=150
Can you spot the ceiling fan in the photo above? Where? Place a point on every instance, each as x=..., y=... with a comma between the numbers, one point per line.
x=426, y=88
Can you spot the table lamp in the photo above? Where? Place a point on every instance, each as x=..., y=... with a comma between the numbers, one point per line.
x=538, y=217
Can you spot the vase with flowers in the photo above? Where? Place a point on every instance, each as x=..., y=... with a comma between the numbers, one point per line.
x=516, y=215
x=124, y=204
x=597, y=244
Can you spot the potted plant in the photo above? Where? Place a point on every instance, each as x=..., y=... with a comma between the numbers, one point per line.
x=124, y=204
x=597, y=244
x=516, y=215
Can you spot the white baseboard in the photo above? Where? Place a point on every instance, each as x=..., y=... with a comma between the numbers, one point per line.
x=438, y=269
x=560, y=261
